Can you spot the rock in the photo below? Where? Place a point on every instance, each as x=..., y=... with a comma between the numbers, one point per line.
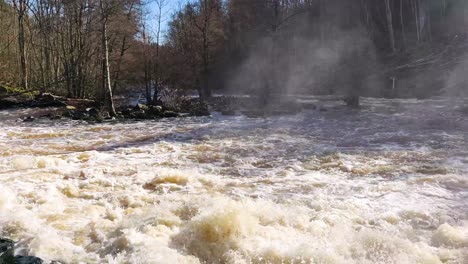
x=127, y=112
x=9, y=102
x=229, y=112
x=184, y=114
x=155, y=111
x=464, y=110
x=80, y=116
x=27, y=260
x=168, y=114
x=254, y=113
x=48, y=99
x=55, y=117
x=3, y=90
x=352, y=101
x=141, y=107
x=29, y=119
x=106, y=115
x=68, y=113
x=7, y=249
x=308, y=106
x=140, y=114
x=199, y=109
x=93, y=112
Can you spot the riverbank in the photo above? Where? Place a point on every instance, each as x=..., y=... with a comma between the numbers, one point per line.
x=89, y=110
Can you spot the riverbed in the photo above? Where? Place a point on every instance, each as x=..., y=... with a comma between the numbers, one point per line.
x=384, y=184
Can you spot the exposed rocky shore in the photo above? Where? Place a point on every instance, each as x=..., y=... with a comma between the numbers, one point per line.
x=92, y=111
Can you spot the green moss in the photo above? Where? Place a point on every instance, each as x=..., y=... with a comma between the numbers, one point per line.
x=6, y=90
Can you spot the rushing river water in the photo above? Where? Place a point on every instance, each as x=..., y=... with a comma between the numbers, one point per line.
x=386, y=184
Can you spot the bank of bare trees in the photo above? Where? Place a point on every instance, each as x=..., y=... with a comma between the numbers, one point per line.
x=94, y=48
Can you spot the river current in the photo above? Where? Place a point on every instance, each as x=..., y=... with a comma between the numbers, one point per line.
x=384, y=184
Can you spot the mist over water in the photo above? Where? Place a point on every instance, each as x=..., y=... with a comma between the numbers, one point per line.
x=386, y=184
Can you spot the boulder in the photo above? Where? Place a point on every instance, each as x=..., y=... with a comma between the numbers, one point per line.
x=7, y=249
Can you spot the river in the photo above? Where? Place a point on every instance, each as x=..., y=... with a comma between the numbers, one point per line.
x=384, y=184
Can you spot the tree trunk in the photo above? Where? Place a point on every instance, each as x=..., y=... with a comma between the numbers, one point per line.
x=107, y=87
x=23, y=74
x=391, y=32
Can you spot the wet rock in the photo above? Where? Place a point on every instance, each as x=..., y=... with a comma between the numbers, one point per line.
x=141, y=107
x=464, y=110
x=93, y=112
x=254, y=113
x=7, y=248
x=29, y=119
x=199, y=109
x=155, y=111
x=3, y=90
x=9, y=102
x=323, y=109
x=308, y=106
x=47, y=100
x=127, y=112
x=55, y=117
x=105, y=115
x=352, y=101
x=184, y=114
x=80, y=116
x=140, y=114
x=27, y=260
x=229, y=112
x=168, y=114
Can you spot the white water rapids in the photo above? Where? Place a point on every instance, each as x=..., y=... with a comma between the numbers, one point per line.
x=385, y=184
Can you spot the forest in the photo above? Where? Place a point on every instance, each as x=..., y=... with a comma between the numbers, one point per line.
x=267, y=48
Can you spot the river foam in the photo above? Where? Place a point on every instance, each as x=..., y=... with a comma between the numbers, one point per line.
x=382, y=185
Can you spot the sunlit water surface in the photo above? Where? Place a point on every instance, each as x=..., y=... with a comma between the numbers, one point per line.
x=385, y=184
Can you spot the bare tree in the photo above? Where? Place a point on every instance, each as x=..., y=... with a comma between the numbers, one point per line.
x=21, y=7
x=107, y=88
x=160, y=6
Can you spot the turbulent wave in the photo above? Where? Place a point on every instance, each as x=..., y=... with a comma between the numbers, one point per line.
x=386, y=184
